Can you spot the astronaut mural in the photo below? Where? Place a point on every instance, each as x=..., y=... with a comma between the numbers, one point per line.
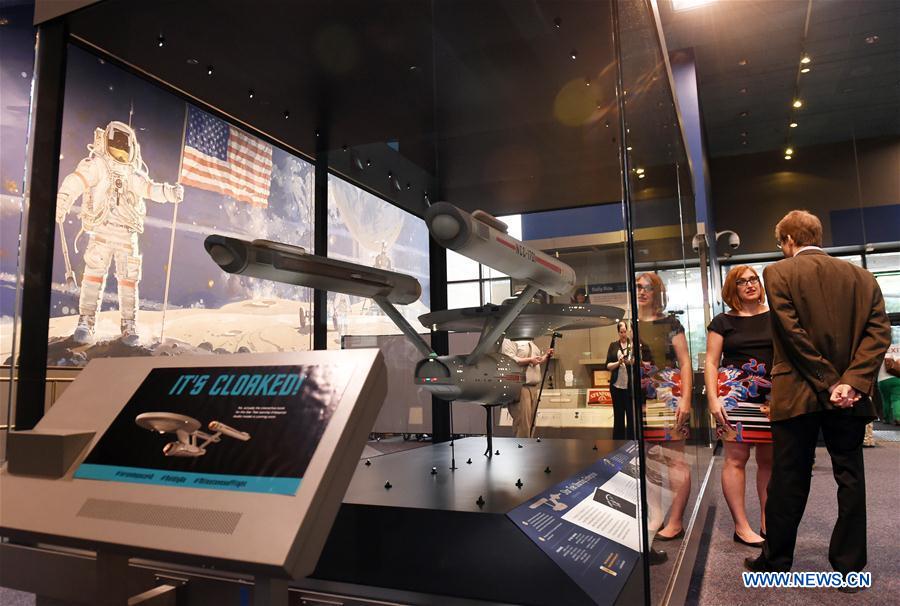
x=113, y=182
x=130, y=276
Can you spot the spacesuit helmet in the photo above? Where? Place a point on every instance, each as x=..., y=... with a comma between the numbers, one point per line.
x=120, y=142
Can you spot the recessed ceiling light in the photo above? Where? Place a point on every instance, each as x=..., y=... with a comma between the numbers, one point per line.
x=639, y=171
x=192, y=62
x=787, y=157
x=798, y=103
x=209, y=70
x=160, y=41
x=805, y=59
x=793, y=125
x=287, y=114
x=574, y=54
x=744, y=114
x=744, y=142
x=788, y=152
x=743, y=133
x=628, y=148
x=872, y=39
x=742, y=62
x=743, y=91
x=805, y=70
x=587, y=81
x=641, y=176
x=250, y=93
x=557, y=22
x=683, y=5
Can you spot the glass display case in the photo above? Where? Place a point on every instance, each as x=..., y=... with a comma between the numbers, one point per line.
x=337, y=127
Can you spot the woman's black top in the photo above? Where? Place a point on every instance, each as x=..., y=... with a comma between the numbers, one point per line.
x=745, y=338
x=612, y=356
x=657, y=338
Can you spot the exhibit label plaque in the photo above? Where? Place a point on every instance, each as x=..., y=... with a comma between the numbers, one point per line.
x=248, y=428
x=589, y=524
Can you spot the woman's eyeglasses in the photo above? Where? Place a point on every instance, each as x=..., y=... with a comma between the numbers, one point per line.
x=644, y=287
x=745, y=281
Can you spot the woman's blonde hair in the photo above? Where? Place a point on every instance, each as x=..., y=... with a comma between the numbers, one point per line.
x=730, y=288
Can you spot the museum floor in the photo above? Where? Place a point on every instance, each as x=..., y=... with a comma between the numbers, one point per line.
x=716, y=577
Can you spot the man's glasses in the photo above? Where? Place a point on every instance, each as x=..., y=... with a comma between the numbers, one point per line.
x=745, y=281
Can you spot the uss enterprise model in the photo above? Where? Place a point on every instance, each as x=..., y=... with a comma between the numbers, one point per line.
x=485, y=375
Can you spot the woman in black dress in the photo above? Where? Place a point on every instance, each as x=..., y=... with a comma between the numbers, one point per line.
x=619, y=362
x=737, y=373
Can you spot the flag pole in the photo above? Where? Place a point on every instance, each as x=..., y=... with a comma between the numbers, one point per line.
x=162, y=328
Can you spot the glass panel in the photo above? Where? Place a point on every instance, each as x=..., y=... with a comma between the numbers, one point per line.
x=881, y=262
x=463, y=294
x=365, y=229
x=460, y=267
x=670, y=298
x=17, y=45
x=136, y=280
x=495, y=291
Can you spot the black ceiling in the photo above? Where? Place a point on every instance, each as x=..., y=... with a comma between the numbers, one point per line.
x=482, y=96
x=852, y=88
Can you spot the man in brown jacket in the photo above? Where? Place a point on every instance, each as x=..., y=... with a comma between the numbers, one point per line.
x=830, y=333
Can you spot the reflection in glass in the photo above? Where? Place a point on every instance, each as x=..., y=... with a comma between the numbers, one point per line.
x=364, y=229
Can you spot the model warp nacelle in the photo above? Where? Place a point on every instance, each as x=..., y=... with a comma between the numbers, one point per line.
x=483, y=238
x=293, y=265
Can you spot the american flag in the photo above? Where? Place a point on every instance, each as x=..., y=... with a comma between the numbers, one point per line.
x=221, y=158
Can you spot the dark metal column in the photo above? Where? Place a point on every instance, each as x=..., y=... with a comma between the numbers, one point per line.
x=440, y=341
x=320, y=297
x=46, y=136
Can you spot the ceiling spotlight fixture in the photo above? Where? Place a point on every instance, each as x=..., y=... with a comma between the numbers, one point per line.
x=793, y=125
x=805, y=70
x=744, y=142
x=805, y=60
x=639, y=171
x=574, y=54
x=287, y=114
x=209, y=70
x=789, y=152
x=684, y=5
x=192, y=62
x=250, y=93
x=743, y=133
x=641, y=176
x=160, y=41
x=787, y=157
x=743, y=91
x=744, y=114
x=872, y=39
x=798, y=103
x=557, y=22
x=587, y=81
x=742, y=62
x=628, y=148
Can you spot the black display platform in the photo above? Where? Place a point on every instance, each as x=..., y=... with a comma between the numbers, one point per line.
x=427, y=533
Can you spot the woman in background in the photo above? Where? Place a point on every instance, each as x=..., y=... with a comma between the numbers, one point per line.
x=738, y=366
x=666, y=388
x=619, y=361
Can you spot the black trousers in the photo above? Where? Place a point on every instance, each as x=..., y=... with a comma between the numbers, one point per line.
x=793, y=455
x=622, y=409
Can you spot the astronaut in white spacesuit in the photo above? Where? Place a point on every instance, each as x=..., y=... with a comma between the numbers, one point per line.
x=113, y=182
